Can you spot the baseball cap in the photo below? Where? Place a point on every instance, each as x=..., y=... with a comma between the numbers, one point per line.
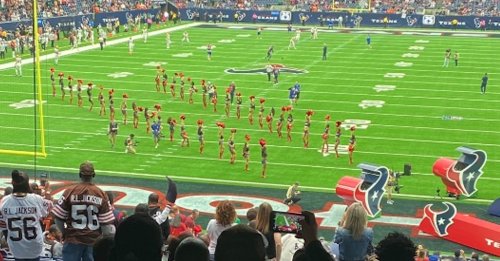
x=87, y=169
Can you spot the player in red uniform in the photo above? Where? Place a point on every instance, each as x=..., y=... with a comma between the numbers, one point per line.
x=261, y=112
x=83, y=213
x=251, y=109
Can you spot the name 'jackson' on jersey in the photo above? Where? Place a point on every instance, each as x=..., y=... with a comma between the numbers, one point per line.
x=85, y=208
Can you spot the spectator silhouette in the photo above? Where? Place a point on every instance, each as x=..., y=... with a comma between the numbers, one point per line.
x=240, y=243
x=191, y=249
x=395, y=246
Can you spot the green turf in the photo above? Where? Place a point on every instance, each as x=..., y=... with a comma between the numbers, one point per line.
x=409, y=128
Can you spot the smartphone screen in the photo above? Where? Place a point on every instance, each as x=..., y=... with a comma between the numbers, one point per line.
x=286, y=222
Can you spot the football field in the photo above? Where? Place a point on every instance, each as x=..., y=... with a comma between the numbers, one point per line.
x=406, y=106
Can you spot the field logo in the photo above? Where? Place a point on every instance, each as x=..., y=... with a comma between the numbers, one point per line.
x=441, y=220
x=120, y=74
x=243, y=35
x=410, y=55
x=24, y=104
x=182, y=55
x=416, y=48
x=384, y=88
x=403, y=64
x=359, y=124
x=394, y=75
x=154, y=64
x=226, y=41
x=282, y=69
x=371, y=103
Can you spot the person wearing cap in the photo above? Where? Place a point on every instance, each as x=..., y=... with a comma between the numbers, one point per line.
x=292, y=194
x=20, y=216
x=83, y=213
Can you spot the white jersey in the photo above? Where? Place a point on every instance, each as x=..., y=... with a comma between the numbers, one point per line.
x=18, y=62
x=20, y=216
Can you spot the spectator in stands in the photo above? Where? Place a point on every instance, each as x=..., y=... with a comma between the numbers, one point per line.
x=52, y=242
x=395, y=246
x=421, y=254
x=158, y=214
x=459, y=255
x=474, y=256
x=353, y=235
x=176, y=219
x=119, y=215
x=102, y=248
x=30, y=209
x=224, y=219
x=485, y=258
x=313, y=249
x=141, y=208
x=241, y=243
x=137, y=238
x=80, y=232
x=273, y=249
x=251, y=216
x=192, y=249
x=190, y=222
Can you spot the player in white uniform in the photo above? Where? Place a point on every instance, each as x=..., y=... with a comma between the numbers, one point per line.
x=19, y=66
x=167, y=40
x=297, y=34
x=20, y=216
x=145, y=34
x=314, y=33
x=130, y=45
x=185, y=37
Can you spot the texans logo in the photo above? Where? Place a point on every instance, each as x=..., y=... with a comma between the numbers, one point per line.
x=441, y=220
x=372, y=196
x=129, y=16
x=241, y=15
x=477, y=22
x=411, y=20
x=283, y=69
x=190, y=14
x=85, y=20
x=465, y=178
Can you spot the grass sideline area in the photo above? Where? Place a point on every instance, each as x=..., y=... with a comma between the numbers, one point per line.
x=422, y=111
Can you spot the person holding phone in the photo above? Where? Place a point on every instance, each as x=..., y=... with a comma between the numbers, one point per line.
x=273, y=249
x=353, y=235
x=313, y=249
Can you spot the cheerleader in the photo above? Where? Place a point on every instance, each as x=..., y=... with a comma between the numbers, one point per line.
x=269, y=121
x=201, y=137
x=227, y=103
x=53, y=81
x=307, y=127
x=204, y=89
x=111, y=104
x=279, y=126
x=185, y=137
x=351, y=147
x=147, y=117
x=171, y=127
x=325, y=136
x=181, y=90
x=232, y=146
x=289, y=127
x=157, y=82
x=246, y=151
x=251, y=109
x=89, y=95
x=221, y=146
x=172, y=90
x=135, y=120
x=102, y=102
x=70, y=87
x=338, y=133
x=192, y=90
x=164, y=81
x=261, y=112
x=79, y=93
x=239, y=101
x=61, y=85
x=214, y=100
x=123, y=108
x=263, y=152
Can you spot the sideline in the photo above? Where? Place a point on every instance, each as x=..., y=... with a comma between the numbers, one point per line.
x=50, y=56
x=220, y=181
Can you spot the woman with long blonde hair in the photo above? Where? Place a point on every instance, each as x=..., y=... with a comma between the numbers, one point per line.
x=353, y=235
x=273, y=250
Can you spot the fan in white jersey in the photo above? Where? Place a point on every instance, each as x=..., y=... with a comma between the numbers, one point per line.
x=20, y=215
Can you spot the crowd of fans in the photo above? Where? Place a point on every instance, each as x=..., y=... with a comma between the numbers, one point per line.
x=97, y=231
x=15, y=10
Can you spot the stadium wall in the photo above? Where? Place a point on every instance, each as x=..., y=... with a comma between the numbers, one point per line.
x=349, y=19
